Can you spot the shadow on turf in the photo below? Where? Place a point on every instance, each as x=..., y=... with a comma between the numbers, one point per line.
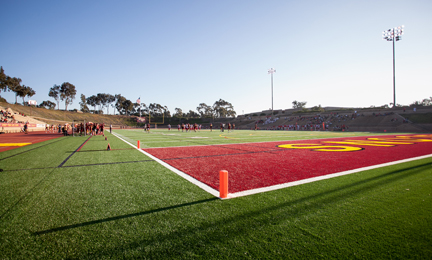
x=121, y=217
x=271, y=215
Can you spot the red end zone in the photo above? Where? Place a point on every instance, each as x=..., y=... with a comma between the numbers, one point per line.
x=258, y=165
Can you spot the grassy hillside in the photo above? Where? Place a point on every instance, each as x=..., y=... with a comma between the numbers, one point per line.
x=425, y=118
x=59, y=116
x=56, y=116
x=422, y=116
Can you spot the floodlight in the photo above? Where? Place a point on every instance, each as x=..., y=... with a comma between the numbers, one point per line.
x=394, y=35
x=271, y=71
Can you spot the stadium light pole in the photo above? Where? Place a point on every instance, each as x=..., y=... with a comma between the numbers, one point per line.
x=271, y=71
x=394, y=34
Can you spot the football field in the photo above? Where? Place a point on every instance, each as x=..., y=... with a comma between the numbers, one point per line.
x=295, y=195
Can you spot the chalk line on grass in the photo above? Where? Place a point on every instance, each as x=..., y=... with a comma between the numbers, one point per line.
x=185, y=176
x=277, y=186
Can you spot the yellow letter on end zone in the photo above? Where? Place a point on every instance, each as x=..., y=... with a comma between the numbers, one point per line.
x=322, y=148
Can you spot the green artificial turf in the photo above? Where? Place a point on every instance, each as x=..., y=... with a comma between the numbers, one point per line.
x=165, y=138
x=60, y=203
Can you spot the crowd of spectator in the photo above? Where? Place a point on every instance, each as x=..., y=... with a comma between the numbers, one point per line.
x=7, y=116
x=318, y=122
x=332, y=121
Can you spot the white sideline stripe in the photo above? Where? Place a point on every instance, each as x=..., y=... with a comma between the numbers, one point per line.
x=257, y=142
x=215, y=193
x=319, y=178
x=189, y=178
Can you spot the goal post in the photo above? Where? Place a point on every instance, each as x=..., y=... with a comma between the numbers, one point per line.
x=156, y=123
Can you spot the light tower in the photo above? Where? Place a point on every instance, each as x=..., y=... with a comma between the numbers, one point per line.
x=394, y=34
x=271, y=71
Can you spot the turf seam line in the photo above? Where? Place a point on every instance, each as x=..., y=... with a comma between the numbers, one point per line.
x=96, y=164
x=185, y=176
x=61, y=164
x=61, y=139
x=105, y=150
x=81, y=165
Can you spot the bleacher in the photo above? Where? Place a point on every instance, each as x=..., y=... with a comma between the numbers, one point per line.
x=13, y=122
x=334, y=121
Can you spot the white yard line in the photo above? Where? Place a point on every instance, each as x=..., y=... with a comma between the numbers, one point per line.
x=203, y=186
x=215, y=193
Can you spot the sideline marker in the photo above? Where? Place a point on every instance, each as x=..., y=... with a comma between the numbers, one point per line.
x=223, y=184
x=138, y=145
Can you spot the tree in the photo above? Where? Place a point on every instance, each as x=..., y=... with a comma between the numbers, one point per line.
x=204, y=110
x=25, y=91
x=317, y=108
x=3, y=82
x=143, y=107
x=119, y=103
x=93, y=101
x=48, y=104
x=14, y=84
x=108, y=100
x=166, y=112
x=192, y=114
x=427, y=102
x=123, y=105
x=297, y=104
x=416, y=103
x=54, y=92
x=83, y=104
x=104, y=100
x=223, y=108
x=100, y=100
x=67, y=93
x=157, y=109
x=178, y=113
x=127, y=106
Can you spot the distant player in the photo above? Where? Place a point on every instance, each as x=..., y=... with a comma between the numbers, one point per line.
x=169, y=127
x=211, y=127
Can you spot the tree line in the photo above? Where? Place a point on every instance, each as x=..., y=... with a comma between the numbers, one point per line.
x=124, y=106
x=13, y=84
x=66, y=93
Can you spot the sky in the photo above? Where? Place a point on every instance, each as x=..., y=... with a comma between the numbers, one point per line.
x=183, y=53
